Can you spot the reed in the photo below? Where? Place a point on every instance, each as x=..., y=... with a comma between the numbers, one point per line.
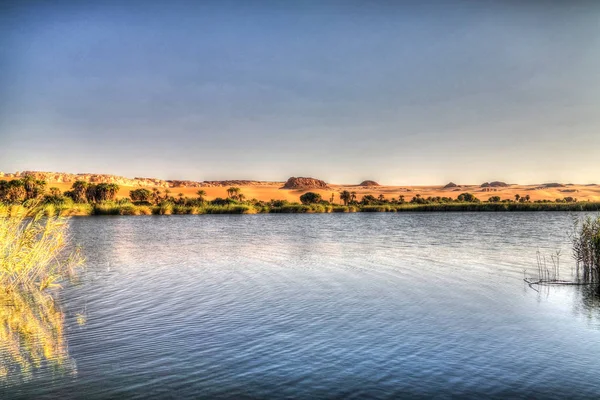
x=585, y=241
x=230, y=209
x=69, y=208
x=33, y=250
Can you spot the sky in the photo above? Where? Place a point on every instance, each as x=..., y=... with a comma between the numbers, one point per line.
x=400, y=92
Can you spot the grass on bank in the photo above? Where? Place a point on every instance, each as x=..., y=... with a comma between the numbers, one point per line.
x=33, y=249
x=168, y=208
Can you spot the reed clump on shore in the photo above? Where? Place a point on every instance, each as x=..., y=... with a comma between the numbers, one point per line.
x=585, y=246
x=585, y=241
x=33, y=250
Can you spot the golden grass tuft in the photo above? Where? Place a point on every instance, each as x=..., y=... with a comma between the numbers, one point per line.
x=33, y=250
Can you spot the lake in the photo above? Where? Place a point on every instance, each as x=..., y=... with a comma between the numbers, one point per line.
x=378, y=305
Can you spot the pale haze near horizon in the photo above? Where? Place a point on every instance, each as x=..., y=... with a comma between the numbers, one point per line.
x=410, y=93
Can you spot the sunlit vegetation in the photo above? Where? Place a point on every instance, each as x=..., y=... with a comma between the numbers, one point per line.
x=101, y=199
x=33, y=250
x=34, y=257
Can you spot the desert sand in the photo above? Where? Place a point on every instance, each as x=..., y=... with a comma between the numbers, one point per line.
x=272, y=190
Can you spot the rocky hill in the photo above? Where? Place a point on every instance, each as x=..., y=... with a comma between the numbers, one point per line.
x=62, y=177
x=494, y=184
x=304, y=183
x=237, y=183
x=369, y=183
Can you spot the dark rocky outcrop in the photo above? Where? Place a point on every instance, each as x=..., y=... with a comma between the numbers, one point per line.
x=304, y=183
x=236, y=183
x=369, y=183
x=494, y=184
x=450, y=185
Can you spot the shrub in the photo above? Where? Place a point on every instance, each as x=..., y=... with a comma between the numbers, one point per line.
x=143, y=195
x=467, y=198
x=310, y=198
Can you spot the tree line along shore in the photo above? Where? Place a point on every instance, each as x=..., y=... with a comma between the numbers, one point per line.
x=86, y=198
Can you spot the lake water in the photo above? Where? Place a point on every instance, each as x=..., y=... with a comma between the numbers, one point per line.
x=320, y=306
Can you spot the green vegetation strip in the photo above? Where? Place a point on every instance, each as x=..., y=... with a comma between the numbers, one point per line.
x=84, y=198
x=114, y=208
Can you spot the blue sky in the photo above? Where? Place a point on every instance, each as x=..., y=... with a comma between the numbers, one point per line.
x=400, y=92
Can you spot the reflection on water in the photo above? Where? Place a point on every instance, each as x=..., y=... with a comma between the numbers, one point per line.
x=32, y=336
x=311, y=306
x=589, y=306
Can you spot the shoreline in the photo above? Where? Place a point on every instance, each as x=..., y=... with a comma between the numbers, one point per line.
x=90, y=210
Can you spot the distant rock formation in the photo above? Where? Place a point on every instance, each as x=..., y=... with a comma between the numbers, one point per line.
x=553, y=185
x=369, y=183
x=494, y=184
x=450, y=185
x=176, y=184
x=304, y=183
x=236, y=183
x=62, y=177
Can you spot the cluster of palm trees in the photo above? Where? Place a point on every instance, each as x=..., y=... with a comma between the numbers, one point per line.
x=520, y=199
x=350, y=198
x=86, y=192
x=29, y=188
x=347, y=197
x=156, y=196
x=235, y=193
x=20, y=190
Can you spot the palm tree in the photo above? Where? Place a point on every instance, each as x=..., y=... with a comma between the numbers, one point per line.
x=381, y=197
x=517, y=197
x=167, y=193
x=345, y=196
x=112, y=189
x=353, y=197
x=155, y=195
x=527, y=197
x=241, y=197
x=79, y=188
x=201, y=193
x=233, y=192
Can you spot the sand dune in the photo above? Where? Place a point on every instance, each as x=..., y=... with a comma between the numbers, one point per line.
x=267, y=192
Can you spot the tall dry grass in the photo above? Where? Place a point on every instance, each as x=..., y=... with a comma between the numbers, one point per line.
x=33, y=250
x=585, y=240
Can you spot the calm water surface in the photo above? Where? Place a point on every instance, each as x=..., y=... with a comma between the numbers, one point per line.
x=319, y=306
